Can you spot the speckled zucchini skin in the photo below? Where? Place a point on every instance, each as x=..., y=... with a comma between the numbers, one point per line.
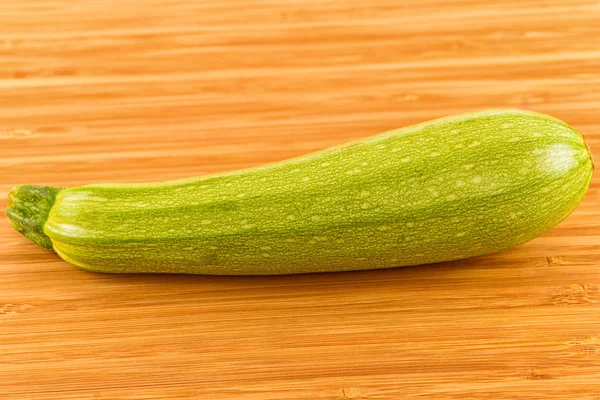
x=447, y=189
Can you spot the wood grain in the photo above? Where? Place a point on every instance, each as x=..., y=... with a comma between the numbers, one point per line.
x=112, y=91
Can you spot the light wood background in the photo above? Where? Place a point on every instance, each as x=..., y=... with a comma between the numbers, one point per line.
x=115, y=91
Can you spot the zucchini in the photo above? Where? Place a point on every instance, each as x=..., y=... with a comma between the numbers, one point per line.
x=447, y=189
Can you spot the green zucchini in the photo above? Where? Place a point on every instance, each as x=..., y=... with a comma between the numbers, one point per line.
x=447, y=189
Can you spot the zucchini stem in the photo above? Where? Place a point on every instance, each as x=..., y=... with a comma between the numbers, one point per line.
x=28, y=209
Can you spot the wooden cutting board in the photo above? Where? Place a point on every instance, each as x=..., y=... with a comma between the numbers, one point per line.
x=94, y=91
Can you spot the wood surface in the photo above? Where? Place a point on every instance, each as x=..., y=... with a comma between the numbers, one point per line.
x=107, y=91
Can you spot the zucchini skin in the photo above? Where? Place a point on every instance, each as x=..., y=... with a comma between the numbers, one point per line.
x=443, y=190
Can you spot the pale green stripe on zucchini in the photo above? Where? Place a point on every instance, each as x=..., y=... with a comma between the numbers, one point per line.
x=447, y=189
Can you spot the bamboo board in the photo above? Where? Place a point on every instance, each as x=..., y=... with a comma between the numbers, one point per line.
x=134, y=91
